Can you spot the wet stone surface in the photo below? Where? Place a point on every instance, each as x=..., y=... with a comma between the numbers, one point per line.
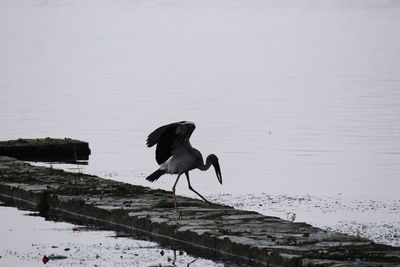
x=214, y=230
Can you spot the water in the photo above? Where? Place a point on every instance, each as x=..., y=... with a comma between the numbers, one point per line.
x=296, y=98
x=27, y=239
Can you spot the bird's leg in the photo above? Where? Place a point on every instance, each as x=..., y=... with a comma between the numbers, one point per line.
x=173, y=194
x=191, y=188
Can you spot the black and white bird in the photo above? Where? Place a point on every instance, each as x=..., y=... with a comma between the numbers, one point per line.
x=175, y=154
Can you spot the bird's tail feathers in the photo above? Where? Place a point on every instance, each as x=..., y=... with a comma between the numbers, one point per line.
x=155, y=175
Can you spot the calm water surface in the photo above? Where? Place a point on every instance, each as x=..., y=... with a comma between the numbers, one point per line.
x=26, y=238
x=295, y=98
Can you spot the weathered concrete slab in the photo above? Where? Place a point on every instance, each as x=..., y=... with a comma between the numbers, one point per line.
x=46, y=149
x=219, y=230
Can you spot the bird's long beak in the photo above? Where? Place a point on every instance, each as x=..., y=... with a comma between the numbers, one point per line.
x=218, y=171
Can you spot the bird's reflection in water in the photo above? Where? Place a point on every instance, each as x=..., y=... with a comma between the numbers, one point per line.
x=175, y=257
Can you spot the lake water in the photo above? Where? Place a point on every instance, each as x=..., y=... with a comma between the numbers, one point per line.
x=297, y=98
x=27, y=238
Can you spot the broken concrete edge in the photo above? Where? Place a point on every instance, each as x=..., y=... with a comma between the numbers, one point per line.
x=40, y=141
x=46, y=149
x=40, y=202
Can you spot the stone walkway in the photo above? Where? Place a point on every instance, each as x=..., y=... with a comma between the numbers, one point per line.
x=218, y=230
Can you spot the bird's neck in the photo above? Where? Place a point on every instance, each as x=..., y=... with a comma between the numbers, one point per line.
x=206, y=166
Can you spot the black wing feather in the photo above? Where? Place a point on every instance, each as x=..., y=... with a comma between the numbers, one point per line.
x=153, y=138
x=164, y=137
x=165, y=144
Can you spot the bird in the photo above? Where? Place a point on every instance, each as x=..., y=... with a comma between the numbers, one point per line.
x=175, y=155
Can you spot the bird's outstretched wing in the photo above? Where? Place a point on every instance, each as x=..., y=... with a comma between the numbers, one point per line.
x=168, y=136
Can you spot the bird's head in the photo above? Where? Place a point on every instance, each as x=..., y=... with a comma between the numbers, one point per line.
x=212, y=159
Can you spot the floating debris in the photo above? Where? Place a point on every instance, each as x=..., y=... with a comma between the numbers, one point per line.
x=45, y=259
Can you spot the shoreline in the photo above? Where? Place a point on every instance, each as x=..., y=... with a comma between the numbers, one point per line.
x=219, y=230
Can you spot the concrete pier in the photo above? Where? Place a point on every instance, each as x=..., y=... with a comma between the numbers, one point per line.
x=46, y=149
x=216, y=230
